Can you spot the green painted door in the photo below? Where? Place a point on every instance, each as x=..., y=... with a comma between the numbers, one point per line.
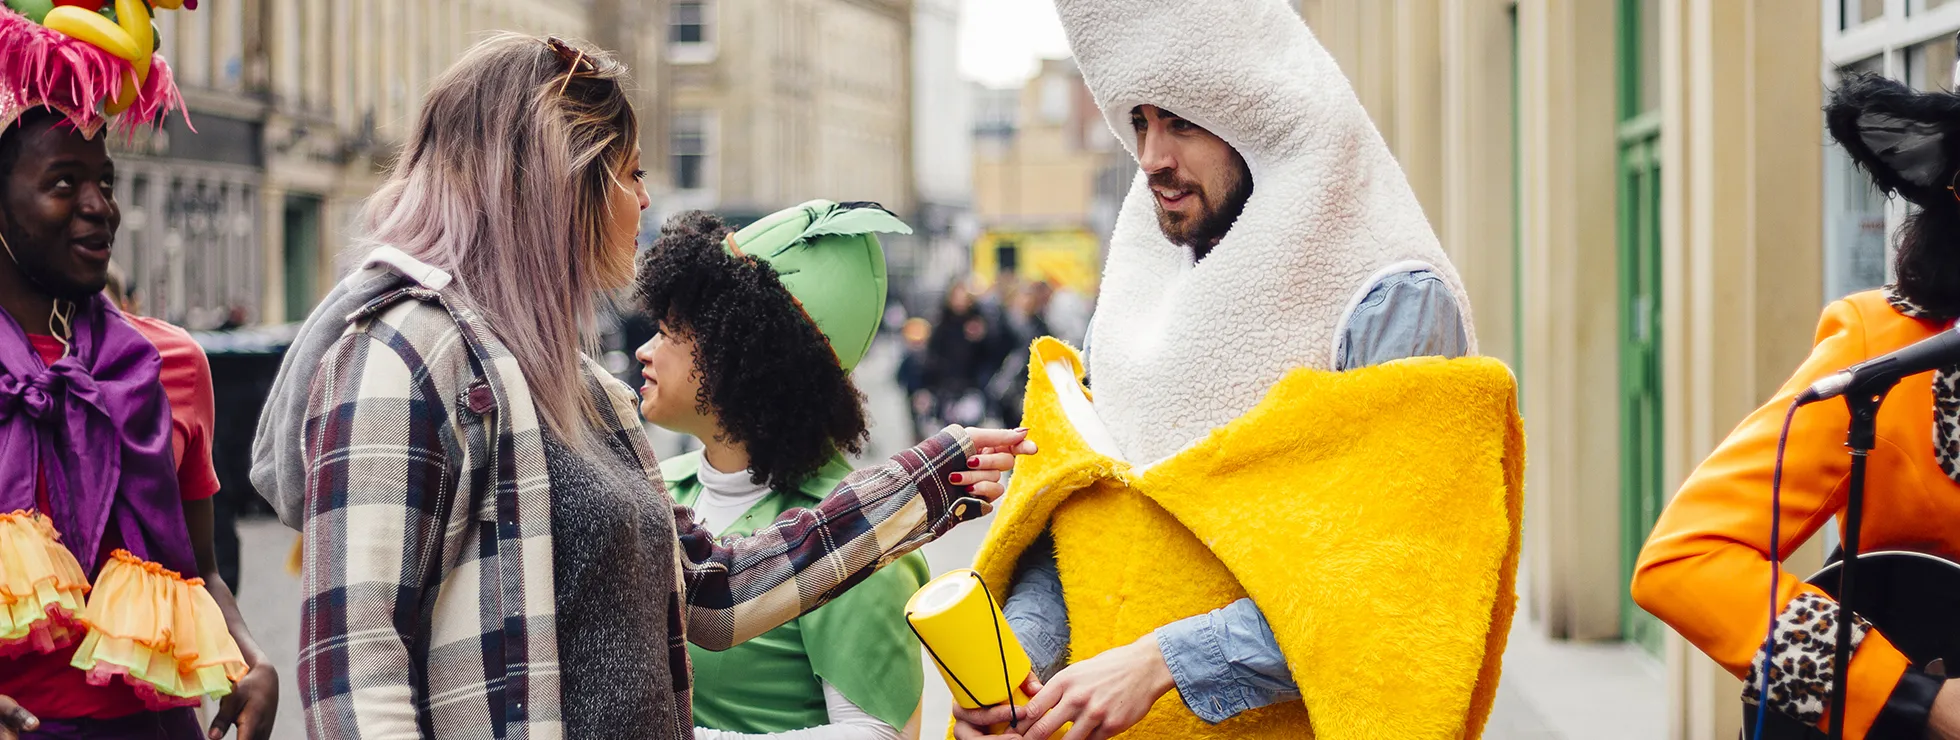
x=302, y=254
x=1641, y=493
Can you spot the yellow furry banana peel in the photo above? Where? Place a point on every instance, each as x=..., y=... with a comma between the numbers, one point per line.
x=90, y=26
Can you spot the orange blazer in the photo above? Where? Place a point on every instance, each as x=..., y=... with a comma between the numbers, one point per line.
x=1705, y=571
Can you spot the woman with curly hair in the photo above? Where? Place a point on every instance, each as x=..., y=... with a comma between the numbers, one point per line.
x=759, y=331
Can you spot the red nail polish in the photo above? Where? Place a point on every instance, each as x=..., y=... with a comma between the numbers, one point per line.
x=958, y=479
x=973, y=462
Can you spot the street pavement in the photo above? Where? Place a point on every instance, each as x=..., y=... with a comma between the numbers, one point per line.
x=1551, y=690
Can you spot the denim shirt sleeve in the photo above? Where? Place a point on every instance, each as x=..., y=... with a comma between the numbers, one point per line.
x=1227, y=661
x=1409, y=314
x=1035, y=608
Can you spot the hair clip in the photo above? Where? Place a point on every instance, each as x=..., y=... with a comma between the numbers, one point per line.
x=572, y=58
x=736, y=249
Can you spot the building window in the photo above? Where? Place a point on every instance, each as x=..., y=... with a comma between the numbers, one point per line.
x=687, y=23
x=690, y=150
x=1912, y=43
x=1054, y=103
x=1929, y=65
x=689, y=38
x=1860, y=12
x=1854, y=13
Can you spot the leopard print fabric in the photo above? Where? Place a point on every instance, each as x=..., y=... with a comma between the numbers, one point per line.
x=1803, y=665
x=1946, y=394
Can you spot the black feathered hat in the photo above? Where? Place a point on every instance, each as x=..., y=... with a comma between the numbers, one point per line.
x=1902, y=137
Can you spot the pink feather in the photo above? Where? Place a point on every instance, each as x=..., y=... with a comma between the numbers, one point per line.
x=39, y=66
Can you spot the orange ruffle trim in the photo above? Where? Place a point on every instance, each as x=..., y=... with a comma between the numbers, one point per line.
x=159, y=632
x=42, y=587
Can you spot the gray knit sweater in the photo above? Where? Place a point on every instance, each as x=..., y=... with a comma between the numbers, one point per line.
x=613, y=555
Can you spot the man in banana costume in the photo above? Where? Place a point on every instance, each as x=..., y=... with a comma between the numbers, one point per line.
x=1265, y=507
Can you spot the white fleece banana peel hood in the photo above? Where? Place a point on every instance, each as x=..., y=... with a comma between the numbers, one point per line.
x=1179, y=349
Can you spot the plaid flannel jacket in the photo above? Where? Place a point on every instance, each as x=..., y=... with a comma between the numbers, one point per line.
x=428, y=549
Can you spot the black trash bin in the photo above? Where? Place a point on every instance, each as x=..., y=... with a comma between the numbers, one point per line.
x=244, y=363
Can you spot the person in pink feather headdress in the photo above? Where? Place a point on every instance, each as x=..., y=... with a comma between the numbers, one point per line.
x=113, y=622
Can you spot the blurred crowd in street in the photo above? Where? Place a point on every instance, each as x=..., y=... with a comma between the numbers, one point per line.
x=966, y=360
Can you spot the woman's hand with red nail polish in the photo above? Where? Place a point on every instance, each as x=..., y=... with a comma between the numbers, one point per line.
x=997, y=449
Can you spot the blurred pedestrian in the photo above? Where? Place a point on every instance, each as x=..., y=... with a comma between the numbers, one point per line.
x=911, y=373
x=236, y=317
x=1026, y=321
x=120, y=292
x=957, y=355
x=996, y=304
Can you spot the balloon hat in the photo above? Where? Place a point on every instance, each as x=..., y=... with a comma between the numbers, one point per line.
x=95, y=62
x=829, y=259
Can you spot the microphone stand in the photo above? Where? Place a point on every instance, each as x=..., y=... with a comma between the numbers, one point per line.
x=1860, y=438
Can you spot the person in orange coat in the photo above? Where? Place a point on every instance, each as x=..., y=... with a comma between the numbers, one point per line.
x=1706, y=569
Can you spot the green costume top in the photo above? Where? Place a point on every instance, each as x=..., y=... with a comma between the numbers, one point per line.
x=859, y=643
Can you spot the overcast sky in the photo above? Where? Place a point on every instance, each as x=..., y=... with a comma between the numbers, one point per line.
x=1003, y=41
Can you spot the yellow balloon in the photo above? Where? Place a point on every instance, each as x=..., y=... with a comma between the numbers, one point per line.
x=122, y=101
x=91, y=27
x=134, y=17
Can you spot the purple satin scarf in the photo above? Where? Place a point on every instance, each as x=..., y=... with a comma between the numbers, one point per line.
x=174, y=724
x=98, y=424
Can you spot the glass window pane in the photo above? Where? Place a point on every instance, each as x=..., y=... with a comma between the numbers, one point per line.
x=689, y=150
x=687, y=172
x=687, y=22
x=1854, y=251
x=1870, y=10
x=1856, y=258
x=1932, y=4
x=1929, y=66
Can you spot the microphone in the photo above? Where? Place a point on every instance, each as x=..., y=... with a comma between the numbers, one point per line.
x=1937, y=351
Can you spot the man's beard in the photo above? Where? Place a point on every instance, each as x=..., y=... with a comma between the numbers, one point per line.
x=33, y=267
x=1201, y=232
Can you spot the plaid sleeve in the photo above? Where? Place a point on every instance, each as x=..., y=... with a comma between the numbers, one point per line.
x=740, y=587
x=375, y=478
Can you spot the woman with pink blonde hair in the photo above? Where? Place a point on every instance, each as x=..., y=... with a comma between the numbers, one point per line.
x=488, y=549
